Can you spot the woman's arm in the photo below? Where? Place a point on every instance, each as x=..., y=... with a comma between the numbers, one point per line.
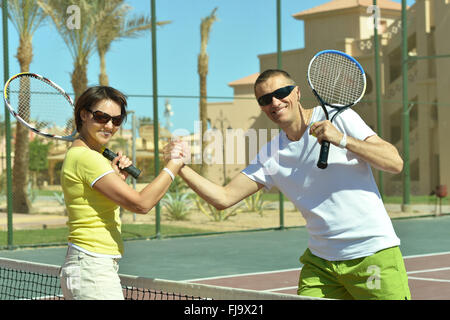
x=116, y=189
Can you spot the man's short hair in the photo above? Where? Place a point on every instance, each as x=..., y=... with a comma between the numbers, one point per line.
x=267, y=74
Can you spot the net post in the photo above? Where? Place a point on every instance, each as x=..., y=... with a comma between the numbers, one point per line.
x=155, y=114
x=405, y=113
x=279, y=66
x=7, y=126
x=378, y=94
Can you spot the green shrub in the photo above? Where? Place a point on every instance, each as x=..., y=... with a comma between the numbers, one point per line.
x=256, y=203
x=215, y=214
x=177, y=205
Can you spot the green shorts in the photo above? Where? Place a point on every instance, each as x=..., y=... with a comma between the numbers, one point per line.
x=379, y=276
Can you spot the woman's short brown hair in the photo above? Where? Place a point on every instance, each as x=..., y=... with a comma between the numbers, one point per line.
x=93, y=95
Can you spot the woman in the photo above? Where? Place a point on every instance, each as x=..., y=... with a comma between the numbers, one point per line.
x=94, y=188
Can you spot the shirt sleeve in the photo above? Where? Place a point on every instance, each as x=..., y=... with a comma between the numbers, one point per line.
x=92, y=166
x=260, y=168
x=353, y=125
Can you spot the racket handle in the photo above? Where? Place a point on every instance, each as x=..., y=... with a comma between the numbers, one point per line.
x=323, y=158
x=132, y=170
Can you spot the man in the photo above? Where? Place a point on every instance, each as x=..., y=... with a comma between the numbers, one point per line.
x=353, y=249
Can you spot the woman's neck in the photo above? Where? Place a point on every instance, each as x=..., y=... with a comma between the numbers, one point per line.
x=83, y=141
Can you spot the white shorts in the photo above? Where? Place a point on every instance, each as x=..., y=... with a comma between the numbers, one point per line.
x=84, y=277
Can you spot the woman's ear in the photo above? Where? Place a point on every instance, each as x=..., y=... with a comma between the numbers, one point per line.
x=83, y=115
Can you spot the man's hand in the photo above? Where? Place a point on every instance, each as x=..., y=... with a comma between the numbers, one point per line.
x=326, y=131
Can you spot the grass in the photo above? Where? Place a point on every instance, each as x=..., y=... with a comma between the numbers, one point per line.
x=35, y=236
x=59, y=235
x=388, y=199
x=275, y=197
x=416, y=200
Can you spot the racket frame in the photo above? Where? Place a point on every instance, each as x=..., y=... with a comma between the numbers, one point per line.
x=324, y=150
x=132, y=170
x=70, y=137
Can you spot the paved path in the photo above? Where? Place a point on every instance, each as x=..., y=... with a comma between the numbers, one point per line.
x=32, y=221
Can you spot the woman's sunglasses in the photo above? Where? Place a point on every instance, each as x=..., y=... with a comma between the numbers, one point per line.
x=279, y=94
x=102, y=117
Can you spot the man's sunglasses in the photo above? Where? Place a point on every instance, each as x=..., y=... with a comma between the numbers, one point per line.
x=102, y=117
x=279, y=94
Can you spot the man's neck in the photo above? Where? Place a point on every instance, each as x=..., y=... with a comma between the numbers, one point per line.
x=296, y=130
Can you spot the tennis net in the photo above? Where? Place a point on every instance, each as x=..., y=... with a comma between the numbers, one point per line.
x=22, y=280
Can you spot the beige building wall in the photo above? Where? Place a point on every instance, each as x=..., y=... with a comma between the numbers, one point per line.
x=240, y=125
x=344, y=25
x=440, y=136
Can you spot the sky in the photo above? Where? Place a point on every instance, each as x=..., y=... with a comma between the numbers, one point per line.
x=244, y=30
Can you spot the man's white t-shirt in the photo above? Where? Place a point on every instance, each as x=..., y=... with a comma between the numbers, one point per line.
x=345, y=216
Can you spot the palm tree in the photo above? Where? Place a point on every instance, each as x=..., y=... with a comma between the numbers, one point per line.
x=116, y=26
x=80, y=41
x=27, y=17
x=205, y=28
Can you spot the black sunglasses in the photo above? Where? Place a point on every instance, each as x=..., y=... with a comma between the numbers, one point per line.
x=102, y=117
x=279, y=94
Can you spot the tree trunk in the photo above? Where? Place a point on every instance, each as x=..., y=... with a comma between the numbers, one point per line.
x=203, y=72
x=103, y=77
x=205, y=28
x=79, y=78
x=21, y=202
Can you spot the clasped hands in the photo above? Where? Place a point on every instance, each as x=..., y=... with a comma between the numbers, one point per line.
x=177, y=150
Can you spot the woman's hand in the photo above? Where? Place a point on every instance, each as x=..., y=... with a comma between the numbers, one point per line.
x=177, y=149
x=119, y=163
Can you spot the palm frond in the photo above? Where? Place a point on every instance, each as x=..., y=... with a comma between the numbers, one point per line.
x=26, y=16
x=80, y=42
x=205, y=28
x=113, y=25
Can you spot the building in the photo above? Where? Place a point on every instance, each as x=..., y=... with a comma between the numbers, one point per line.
x=347, y=25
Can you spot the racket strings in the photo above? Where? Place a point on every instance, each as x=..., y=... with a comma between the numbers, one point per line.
x=41, y=105
x=336, y=79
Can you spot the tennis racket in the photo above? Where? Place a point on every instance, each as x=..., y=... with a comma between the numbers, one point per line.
x=337, y=80
x=46, y=109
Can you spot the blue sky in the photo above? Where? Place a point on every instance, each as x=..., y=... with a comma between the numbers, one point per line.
x=244, y=30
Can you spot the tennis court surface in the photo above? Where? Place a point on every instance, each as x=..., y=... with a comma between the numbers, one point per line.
x=247, y=266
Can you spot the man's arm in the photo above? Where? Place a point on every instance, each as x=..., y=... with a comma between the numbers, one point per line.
x=221, y=197
x=377, y=152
